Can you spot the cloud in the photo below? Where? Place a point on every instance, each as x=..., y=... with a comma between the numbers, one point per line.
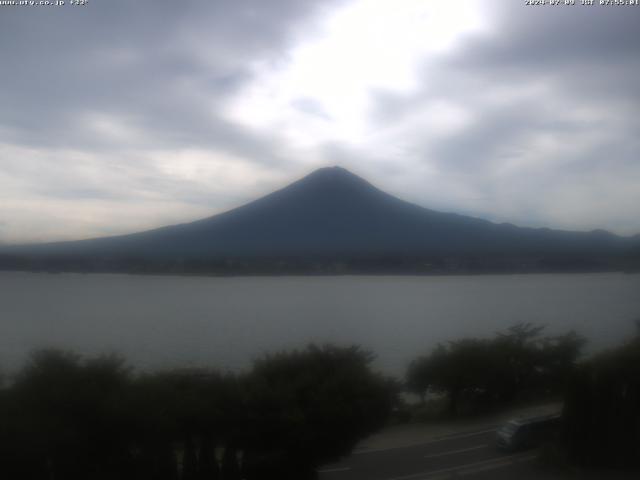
x=154, y=73
x=168, y=111
x=97, y=98
x=550, y=131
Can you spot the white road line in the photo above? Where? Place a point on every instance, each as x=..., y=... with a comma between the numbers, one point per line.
x=463, y=435
x=492, y=463
x=334, y=470
x=442, y=438
x=493, y=466
x=453, y=452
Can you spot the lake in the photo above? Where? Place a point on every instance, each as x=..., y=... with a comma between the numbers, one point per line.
x=164, y=321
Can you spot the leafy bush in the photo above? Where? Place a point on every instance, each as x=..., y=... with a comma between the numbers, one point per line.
x=484, y=372
x=68, y=418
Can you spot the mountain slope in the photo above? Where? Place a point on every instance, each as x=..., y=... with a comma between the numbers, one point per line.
x=334, y=213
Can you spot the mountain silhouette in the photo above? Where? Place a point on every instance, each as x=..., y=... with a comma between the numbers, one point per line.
x=332, y=213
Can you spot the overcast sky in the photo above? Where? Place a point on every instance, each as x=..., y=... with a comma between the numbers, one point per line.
x=123, y=115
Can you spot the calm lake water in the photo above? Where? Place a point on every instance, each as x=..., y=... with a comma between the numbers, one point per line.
x=225, y=322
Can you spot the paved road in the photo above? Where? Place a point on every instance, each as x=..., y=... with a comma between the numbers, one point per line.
x=469, y=454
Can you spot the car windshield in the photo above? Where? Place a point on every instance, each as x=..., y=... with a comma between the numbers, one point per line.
x=509, y=428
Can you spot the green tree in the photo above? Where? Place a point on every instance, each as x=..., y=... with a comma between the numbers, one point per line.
x=184, y=413
x=482, y=372
x=64, y=416
x=71, y=418
x=602, y=409
x=312, y=406
x=459, y=369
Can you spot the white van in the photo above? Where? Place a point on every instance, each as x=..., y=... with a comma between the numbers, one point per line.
x=523, y=433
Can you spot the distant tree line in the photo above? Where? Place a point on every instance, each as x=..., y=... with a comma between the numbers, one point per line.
x=517, y=364
x=434, y=264
x=65, y=418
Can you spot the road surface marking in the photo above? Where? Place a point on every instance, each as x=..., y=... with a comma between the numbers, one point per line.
x=334, y=470
x=496, y=462
x=453, y=452
x=443, y=438
x=455, y=436
x=492, y=466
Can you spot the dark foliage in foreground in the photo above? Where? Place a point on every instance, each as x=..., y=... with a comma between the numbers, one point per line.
x=601, y=414
x=602, y=410
x=517, y=364
x=68, y=418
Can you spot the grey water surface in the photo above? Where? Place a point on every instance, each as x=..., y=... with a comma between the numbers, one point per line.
x=225, y=322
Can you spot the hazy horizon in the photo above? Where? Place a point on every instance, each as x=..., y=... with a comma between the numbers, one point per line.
x=250, y=201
